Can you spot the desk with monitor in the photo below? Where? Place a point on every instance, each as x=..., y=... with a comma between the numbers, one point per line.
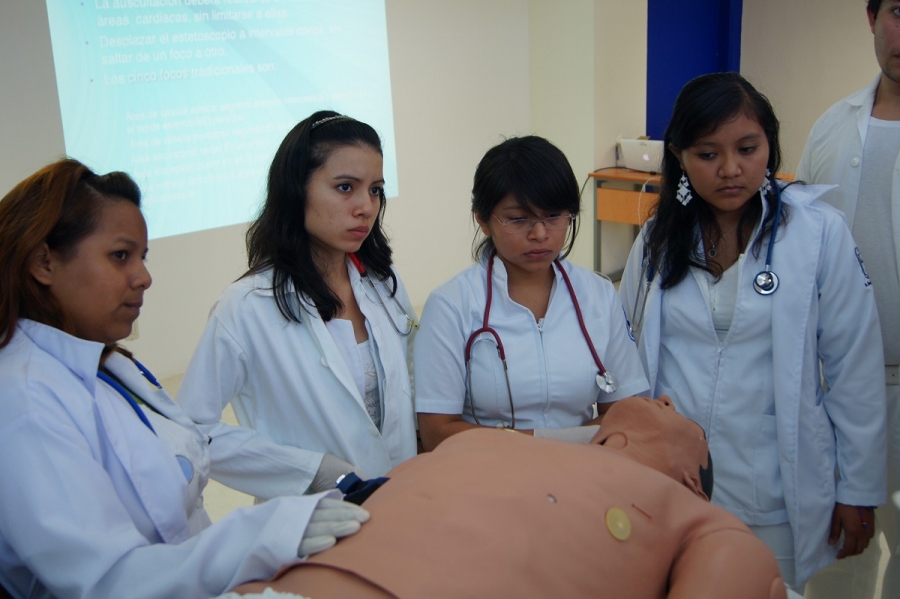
x=622, y=196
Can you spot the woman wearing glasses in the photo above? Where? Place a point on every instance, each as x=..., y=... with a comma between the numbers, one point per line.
x=523, y=339
x=310, y=345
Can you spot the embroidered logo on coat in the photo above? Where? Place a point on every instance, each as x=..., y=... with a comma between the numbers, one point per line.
x=862, y=267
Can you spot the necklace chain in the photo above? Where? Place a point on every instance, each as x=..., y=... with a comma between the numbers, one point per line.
x=712, y=252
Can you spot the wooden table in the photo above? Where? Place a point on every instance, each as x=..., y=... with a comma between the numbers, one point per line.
x=622, y=196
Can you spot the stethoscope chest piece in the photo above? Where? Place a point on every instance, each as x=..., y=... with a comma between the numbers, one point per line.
x=765, y=282
x=606, y=382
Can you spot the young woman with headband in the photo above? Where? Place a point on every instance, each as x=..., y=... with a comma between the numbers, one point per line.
x=310, y=345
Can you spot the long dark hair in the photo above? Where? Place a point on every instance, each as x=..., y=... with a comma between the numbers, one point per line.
x=278, y=238
x=704, y=104
x=58, y=205
x=536, y=173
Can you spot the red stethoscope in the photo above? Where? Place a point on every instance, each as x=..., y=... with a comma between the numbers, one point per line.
x=605, y=381
x=410, y=324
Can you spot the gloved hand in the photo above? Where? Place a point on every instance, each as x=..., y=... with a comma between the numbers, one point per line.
x=329, y=470
x=573, y=434
x=332, y=519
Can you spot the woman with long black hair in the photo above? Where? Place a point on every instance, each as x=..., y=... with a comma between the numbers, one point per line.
x=755, y=315
x=310, y=345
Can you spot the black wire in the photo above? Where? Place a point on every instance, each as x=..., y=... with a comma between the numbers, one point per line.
x=588, y=178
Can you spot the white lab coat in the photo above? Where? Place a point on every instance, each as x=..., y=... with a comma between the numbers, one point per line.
x=552, y=374
x=823, y=309
x=95, y=505
x=834, y=154
x=293, y=392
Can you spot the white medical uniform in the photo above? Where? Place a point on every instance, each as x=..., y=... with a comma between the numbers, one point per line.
x=757, y=395
x=551, y=372
x=94, y=504
x=834, y=154
x=293, y=392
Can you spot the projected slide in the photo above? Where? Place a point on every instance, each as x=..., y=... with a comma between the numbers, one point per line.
x=192, y=97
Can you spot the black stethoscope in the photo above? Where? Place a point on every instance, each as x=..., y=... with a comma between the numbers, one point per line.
x=764, y=283
x=605, y=381
x=410, y=321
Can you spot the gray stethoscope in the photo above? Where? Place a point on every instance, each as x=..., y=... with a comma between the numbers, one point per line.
x=764, y=283
x=410, y=321
x=605, y=381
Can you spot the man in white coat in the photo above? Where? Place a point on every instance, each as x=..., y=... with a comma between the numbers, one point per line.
x=856, y=144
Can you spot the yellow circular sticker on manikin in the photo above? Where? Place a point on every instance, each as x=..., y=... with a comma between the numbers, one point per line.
x=618, y=523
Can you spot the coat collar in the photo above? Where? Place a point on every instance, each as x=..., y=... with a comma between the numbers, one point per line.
x=865, y=96
x=863, y=101
x=149, y=478
x=80, y=356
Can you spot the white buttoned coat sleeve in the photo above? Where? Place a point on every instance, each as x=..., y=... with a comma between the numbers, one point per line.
x=292, y=391
x=87, y=509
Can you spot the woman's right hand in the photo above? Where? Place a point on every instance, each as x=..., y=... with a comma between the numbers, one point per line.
x=858, y=525
x=332, y=519
x=331, y=468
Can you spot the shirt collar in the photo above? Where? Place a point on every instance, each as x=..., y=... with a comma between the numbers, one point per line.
x=80, y=356
x=500, y=276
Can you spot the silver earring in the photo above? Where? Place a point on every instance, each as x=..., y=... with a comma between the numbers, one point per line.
x=683, y=193
x=766, y=187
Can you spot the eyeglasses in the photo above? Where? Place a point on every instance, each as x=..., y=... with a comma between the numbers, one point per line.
x=524, y=225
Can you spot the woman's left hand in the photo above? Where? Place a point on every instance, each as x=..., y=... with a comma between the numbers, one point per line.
x=858, y=525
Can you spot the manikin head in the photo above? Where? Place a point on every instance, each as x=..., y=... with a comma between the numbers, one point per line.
x=652, y=433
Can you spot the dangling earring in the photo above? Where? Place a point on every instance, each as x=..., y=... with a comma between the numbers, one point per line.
x=683, y=193
x=766, y=187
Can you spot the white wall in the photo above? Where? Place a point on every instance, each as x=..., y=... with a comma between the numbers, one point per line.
x=30, y=122
x=620, y=92
x=460, y=79
x=805, y=55
x=562, y=58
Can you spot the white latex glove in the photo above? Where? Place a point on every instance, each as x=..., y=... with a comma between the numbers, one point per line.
x=574, y=434
x=332, y=519
x=329, y=470
x=792, y=594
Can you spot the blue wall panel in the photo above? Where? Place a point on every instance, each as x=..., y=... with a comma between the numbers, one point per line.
x=687, y=38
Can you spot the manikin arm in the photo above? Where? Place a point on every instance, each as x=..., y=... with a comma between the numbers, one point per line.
x=726, y=563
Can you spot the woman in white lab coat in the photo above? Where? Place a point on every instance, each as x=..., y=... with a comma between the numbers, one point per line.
x=772, y=345
x=561, y=327
x=310, y=345
x=103, y=472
